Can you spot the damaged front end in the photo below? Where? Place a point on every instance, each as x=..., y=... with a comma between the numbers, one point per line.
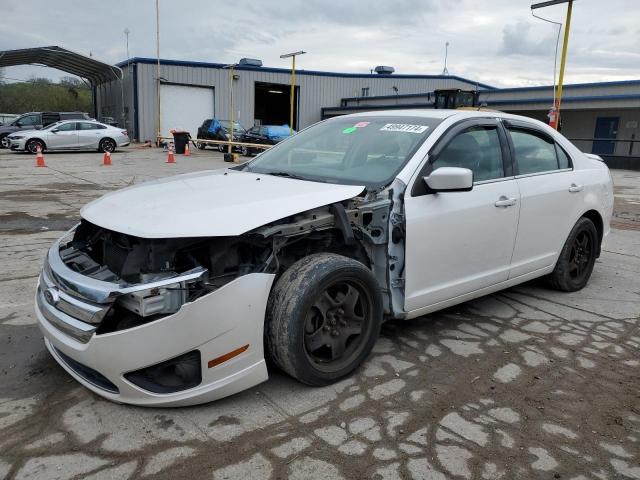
x=134, y=317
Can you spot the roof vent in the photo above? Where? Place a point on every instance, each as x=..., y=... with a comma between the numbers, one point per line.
x=382, y=70
x=250, y=62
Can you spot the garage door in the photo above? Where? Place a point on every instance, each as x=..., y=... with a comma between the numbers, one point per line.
x=184, y=107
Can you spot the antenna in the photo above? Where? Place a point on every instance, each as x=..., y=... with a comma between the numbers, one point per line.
x=446, y=52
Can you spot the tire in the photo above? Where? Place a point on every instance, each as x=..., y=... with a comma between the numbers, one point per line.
x=4, y=141
x=200, y=145
x=107, y=145
x=577, y=258
x=323, y=318
x=245, y=151
x=32, y=145
x=222, y=148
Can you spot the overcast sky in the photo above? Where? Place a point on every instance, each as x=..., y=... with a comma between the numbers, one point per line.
x=492, y=41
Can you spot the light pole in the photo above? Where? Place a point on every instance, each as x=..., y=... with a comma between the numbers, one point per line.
x=563, y=58
x=231, y=68
x=158, y=67
x=293, y=84
x=446, y=53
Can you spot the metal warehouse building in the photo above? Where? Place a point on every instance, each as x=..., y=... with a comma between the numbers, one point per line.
x=602, y=118
x=193, y=91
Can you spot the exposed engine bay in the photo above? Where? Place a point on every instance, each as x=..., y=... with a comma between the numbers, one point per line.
x=368, y=228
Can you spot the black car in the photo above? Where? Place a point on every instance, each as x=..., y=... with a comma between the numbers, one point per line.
x=264, y=134
x=36, y=121
x=222, y=132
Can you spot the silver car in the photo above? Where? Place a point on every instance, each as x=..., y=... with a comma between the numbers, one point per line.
x=71, y=135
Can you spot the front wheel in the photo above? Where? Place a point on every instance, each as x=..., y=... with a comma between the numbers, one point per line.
x=200, y=145
x=4, y=141
x=577, y=258
x=245, y=151
x=107, y=145
x=33, y=145
x=324, y=317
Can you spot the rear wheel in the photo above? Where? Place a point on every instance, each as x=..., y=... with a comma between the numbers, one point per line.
x=577, y=258
x=324, y=317
x=32, y=145
x=107, y=145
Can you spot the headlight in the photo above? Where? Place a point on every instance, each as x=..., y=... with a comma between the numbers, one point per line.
x=227, y=135
x=15, y=137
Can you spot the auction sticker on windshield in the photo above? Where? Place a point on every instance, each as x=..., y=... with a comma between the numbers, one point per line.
x=404, y=127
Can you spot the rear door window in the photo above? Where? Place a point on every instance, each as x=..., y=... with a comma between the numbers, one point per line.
x=536, y=152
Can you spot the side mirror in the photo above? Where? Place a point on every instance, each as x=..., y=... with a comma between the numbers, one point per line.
x=55, y=130
x=450, y=179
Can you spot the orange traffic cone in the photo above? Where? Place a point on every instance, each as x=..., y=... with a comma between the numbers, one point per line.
x=106, y=159
x=170, y=157
x=39, y=158
x=186, y=150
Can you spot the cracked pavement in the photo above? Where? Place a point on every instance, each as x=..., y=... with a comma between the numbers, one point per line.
x=526, y=383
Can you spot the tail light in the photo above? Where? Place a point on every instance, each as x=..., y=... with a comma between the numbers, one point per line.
x=125, y=133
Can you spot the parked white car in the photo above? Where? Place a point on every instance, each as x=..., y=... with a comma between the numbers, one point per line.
x=70, y=135
x=166, y=292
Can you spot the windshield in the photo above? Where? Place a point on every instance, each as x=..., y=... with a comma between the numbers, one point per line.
x=226, y=124
x=353, y=150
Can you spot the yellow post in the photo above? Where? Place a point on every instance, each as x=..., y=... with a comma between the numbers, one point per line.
x=562, y=62
x=293, y=91
x=230, y=150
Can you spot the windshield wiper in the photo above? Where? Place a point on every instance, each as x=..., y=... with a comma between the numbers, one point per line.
x=286, y=174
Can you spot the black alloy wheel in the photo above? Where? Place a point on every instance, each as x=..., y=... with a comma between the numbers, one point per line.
x=323, y=318
x=32, y=146
x=107, y=145
x=335, y=323
x=577, y=258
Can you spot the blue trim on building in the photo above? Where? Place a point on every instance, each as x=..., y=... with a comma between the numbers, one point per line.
x=617, y=83
x=584, y=98
x=184, y=63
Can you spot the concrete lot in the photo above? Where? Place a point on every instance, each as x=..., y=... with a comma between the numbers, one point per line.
x=527, y=383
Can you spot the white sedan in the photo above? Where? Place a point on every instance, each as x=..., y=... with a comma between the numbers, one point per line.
x=173, y=292
x=70, y=135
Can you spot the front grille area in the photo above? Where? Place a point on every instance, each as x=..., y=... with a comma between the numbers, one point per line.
x=89, y=374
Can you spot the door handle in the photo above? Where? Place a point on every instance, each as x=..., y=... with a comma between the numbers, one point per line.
x=575, y=188
x=504, y=201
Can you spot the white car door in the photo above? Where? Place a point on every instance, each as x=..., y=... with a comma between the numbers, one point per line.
x=551, y=197
x=61, y=136
x=89, y=135
x=460, y=242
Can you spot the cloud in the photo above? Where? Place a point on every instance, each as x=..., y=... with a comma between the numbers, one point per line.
x=517, y=40
x=492, y=42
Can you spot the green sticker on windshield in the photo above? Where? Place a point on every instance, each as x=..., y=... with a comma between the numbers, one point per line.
x=349, y=130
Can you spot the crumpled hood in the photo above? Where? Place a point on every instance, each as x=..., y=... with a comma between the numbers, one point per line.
x=209, y=204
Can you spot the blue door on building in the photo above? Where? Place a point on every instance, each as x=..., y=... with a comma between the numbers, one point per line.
x=606, y=127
